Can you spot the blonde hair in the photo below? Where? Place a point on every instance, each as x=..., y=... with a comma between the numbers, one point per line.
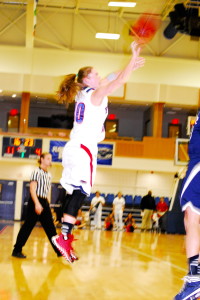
x=71, y=85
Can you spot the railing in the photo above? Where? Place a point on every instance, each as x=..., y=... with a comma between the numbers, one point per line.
x=149, y=147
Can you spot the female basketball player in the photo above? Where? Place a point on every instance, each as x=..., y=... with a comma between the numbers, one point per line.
x=80, y=153
x=38, y=206
x=190, y=202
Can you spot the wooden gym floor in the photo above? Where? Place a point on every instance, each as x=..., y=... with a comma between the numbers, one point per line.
x=112, y=266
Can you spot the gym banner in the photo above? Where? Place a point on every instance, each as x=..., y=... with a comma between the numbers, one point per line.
x=105, y=154
x=104, y=157
x=56, y=150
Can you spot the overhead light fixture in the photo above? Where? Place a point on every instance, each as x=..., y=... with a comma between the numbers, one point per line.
x=122, y=4
x=108, y=36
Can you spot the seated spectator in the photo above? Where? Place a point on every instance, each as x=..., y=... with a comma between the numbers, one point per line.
x=108, y=222
x=80, y=220
x=130, y=224
x=162, y=208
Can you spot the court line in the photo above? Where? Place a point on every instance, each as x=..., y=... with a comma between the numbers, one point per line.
x=146, y=255
x=3, y=228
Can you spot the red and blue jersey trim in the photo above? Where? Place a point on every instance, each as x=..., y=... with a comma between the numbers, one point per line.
x=91, y=161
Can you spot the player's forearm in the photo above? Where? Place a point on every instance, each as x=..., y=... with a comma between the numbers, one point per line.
x=111, y=86
x=126, y=71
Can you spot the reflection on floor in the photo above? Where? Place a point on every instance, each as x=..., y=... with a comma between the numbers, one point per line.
x=112, y=265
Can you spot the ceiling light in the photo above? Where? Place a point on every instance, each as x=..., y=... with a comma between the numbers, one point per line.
x=108, y=36
x=14, y=95
x=122, y=4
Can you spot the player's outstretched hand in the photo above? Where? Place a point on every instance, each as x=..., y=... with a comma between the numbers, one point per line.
x=135, y=48
x=139, y=63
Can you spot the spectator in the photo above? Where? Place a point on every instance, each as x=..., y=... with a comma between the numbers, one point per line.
x=147, y=206
x=118, y=209
x=129, y=223
x=109, y=222
x=162, y=208
x=96, y=208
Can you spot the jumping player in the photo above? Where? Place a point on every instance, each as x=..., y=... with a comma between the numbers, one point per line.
x=80, y=153
x=190, y=203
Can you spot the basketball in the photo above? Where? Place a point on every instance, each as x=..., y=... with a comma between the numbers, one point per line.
x=145, y=28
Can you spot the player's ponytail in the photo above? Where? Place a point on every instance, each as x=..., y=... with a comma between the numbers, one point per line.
x=71, y=85
x=68, y=89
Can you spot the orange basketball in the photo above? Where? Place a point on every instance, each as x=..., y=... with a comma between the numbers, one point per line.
x=145, y=28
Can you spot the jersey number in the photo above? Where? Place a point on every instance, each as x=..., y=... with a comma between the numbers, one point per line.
x=79, y=115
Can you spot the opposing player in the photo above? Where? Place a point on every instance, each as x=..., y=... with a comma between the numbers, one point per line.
x=80, y=153
x=190, y=203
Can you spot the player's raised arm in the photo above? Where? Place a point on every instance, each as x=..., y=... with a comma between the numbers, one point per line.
x=119, y=78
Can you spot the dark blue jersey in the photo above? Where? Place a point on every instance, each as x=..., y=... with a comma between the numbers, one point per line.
x=194, y=145
x=190, y=193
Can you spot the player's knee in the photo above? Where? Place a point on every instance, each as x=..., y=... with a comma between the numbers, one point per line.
x=191, y=220
x=74, y=203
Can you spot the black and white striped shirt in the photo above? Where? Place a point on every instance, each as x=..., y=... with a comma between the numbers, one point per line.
x=43, y=179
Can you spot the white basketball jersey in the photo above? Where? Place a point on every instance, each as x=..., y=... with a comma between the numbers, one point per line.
x=88, y=127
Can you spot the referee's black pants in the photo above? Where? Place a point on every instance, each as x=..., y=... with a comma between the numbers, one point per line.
x=32, y=218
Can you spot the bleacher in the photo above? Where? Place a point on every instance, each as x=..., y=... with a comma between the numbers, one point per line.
x=107, y=210
x=130, y=200
x=132, y=205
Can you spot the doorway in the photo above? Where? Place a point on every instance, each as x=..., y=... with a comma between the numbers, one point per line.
x=174, y=130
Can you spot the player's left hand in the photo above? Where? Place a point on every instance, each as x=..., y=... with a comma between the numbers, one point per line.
x=135, y=49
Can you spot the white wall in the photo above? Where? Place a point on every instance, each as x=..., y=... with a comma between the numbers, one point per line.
x=108, y=179
x=134, y=182
x=169, y=80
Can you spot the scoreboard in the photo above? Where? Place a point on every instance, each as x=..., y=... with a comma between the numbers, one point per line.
x=18, y=147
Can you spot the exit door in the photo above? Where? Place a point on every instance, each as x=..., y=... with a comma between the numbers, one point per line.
x=174, y=130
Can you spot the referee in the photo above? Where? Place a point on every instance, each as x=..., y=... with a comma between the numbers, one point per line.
x=38, y=206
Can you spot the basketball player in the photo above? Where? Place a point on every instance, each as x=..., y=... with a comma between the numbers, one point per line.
x=190, y=203
x=38, y=207
x=80, y=153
